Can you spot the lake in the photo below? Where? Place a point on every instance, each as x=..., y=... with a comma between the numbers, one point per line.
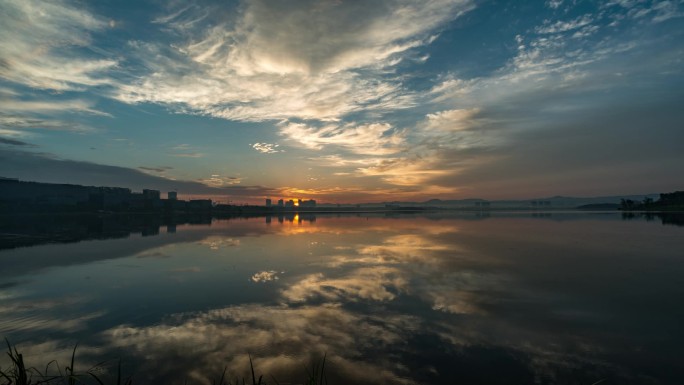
x=438, y=298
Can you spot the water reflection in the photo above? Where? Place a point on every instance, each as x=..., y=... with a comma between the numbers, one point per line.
x=666, y=218
x=441, y=299
x=31, y=230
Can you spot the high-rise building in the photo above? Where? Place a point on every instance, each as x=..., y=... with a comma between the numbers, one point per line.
x=280, y=203
x=151, y=194
x=309, y=203
x=173, y=195
x=268, y=202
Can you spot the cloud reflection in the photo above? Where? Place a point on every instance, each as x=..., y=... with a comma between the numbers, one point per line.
x=375, y=283
x=282, y=340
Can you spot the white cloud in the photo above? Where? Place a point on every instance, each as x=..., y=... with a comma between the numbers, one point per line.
x=556, y=55
x=304, y=59
x=659, y=10
x=564, y=26
x=188, y=155
x=41, y=46
x=44, y=106
x=13, y=133
x=185, y=151
x=410, y=171
x=265, y=276
x=554, y=4
x=22, y=122
x=337, y=160
x=451, y=120
x=368, y=139
x=216, y=180
x=266, y=148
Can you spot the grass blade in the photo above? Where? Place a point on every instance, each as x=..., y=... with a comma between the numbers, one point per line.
x=251, y=366
x=323, y=368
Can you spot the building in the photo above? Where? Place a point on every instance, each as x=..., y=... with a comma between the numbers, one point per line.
x=268, y=202
x=199, y=205
x=151, y=194
x=173, y=196
x=307, y=204
x=280, y=203
x=290, y=204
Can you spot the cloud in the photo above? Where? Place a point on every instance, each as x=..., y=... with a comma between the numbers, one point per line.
x=416, y=171
x=545, y=159
x=42, y=46
x=46, y=114
x=217, y=180
x=185, y=151
x=160, y=170
x=265, y=276
x=564, y=26
x=272, y=61
x=187, y=155
x=14, y=142
x=367, y=139
x=337, y=160
x=14, y=133
x=451, y=120
x=266, y=148
x=21, y=123
x=659, y=10
x=554, y=4
x=42, y=167
x=44, y=106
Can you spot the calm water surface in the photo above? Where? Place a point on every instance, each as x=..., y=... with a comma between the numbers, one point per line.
x=444, y=299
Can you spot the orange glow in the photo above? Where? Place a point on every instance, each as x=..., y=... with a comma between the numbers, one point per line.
x=296, y=203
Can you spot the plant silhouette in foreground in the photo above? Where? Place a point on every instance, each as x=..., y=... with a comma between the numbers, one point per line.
x=19, y=374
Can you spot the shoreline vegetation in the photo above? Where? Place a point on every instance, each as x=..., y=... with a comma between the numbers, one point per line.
x=667, y=202
x=103, y=373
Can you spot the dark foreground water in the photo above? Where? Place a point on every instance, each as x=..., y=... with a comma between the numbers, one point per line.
x=442, y=299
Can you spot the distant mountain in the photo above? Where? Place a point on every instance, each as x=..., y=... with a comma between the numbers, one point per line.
x=540, y=203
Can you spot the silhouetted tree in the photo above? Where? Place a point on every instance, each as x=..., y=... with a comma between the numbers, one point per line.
x=626, y=204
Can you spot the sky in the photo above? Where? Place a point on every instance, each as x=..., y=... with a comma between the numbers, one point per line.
x=345, y=101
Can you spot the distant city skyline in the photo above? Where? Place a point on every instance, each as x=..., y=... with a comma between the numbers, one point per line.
x=345, y=102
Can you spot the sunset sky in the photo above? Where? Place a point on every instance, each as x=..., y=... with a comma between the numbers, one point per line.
x=345, y=101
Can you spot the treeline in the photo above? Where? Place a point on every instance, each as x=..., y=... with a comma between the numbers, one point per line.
x=670, y=201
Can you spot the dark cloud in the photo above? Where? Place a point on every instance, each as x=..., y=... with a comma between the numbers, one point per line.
x=42, y=167
x=14, y=142
x=619, y=149
x=156, y=169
